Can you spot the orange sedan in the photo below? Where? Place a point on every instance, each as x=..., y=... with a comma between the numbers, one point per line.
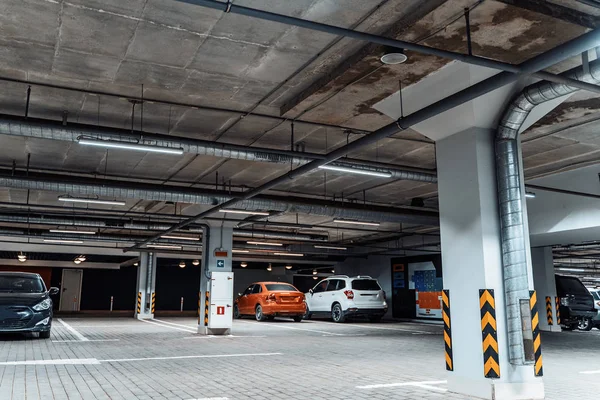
x=267, y=300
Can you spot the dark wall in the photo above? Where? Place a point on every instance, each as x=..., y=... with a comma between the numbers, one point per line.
x=99, y=284
x=173, y=283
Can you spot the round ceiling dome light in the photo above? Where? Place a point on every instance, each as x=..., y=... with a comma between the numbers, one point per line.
x=288, y=267
x=77, y=261
x=244, y=264
x=394, y=58
x=196, y=263
x=315, y=278
x=269, y=268
x=182, y=264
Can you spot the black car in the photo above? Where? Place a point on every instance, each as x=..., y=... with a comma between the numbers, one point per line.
x=576, y=302
x=25, y=304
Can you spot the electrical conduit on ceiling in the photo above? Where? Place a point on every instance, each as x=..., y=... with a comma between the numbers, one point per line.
x=510, y=195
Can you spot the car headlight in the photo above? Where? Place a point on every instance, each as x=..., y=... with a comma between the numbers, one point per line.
x=564, y=301
x=43, y=305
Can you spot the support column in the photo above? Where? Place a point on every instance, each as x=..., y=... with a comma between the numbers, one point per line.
x=217, y=245
x=146, y=282
x=471, y=254
x=545, y=286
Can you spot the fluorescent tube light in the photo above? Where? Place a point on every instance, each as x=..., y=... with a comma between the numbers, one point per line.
x=240, y=251
x=73, y=232
x=265, y=243
x=318, y=246
x=289, y=254
x=227, y=210
x=351, y=222
x=65, y=241
x=571, y=269
x=530, y=195
x=163, y=246
x=351, y=170
x=115, y=144
x=91, y=201
x=180, y=237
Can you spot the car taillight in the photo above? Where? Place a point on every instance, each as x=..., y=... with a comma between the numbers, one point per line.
x=271, y=297
x=349, y=294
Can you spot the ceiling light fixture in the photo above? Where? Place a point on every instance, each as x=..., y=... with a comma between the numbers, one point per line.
x=227, y=210
x=265, y=243
x=314, y=271
x=315, y=278
x=182, y=264
x=195, y=263
x=394, y=57
x=352, y=222
x=244, y=264
x=530, y=195
x=240, y=251
x=81, y=258
x=333, y=271
x=319, y=246
x=22, y=257
x=164, y=246
x=64, y=241
x=180, y=237
x=136, y=264
x=571, y=269
x=70, y=199
x=77, y=261
x=352, y=170
x=288, y=267
x=73, y=232
x=269, y=268
x=115, y=144
x=289, y=254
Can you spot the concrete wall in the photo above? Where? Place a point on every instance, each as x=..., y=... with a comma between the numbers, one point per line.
x=242, y=277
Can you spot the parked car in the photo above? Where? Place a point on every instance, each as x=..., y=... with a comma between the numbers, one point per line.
x=267, y=300
x=25, y=303
x=586, y=324
x=576, y=302
x=340, y=297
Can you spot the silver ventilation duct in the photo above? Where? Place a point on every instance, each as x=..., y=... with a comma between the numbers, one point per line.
x=72, y=132
x=145, y=226
x=511, y=195
x=112, y=189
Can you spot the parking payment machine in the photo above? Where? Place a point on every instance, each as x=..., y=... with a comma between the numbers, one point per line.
x=221, y=302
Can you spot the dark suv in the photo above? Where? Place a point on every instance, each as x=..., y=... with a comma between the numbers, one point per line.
x=25, y=304
x=576, y=302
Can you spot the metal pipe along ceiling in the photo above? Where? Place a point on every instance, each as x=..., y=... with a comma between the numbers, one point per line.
x=131, y=190
x=42, y=129
x=145, y=226
x=510, y=195
x=571, y=48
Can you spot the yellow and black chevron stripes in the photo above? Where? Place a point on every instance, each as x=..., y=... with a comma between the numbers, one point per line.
x=491, y=360
x=139, y=303
x=199, y=305
x=549, y=310
x=153, y=301
x=206, y=307
x=557, y=305
x=447, y=329
x=535, y=327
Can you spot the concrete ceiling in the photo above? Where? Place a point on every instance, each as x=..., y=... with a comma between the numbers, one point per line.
x=272, y=73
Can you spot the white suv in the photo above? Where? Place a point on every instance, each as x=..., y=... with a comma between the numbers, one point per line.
x=340, y=297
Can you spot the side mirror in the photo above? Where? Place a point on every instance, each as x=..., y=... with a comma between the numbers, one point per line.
x=310, y=291
x=53, y=291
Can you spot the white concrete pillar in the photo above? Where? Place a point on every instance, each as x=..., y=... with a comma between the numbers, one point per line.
x=146, y=283
x=218, y=245
x=470, y=236
x=545, y=285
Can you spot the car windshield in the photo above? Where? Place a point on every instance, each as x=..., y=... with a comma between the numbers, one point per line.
x=280, y=287
x=596, y=295
x=570, y=285
x=21, y=284
x=365, y=284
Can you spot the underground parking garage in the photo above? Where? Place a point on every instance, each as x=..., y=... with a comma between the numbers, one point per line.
x=206, y=199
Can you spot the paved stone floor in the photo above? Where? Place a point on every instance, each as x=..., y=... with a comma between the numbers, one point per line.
x=164, y=359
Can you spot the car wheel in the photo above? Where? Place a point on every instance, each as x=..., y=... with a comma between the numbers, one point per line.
x=236, y=312
x=308, y=314
x=298, y=318
x=258, y=312
x=337, y=314
x=584, y=324
x=45, y=335
x=375, y=318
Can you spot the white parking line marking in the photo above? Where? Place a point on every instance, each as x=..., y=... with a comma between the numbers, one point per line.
x=73, y=331
x=389, y=385
x=89, y=340
x=212, y=398
x=590, y=372
x=276, y=325
x=174, y=324
x=188, y=330
x=384, y=328
x=66, y=361
x=189, y=357
x=222, y=336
